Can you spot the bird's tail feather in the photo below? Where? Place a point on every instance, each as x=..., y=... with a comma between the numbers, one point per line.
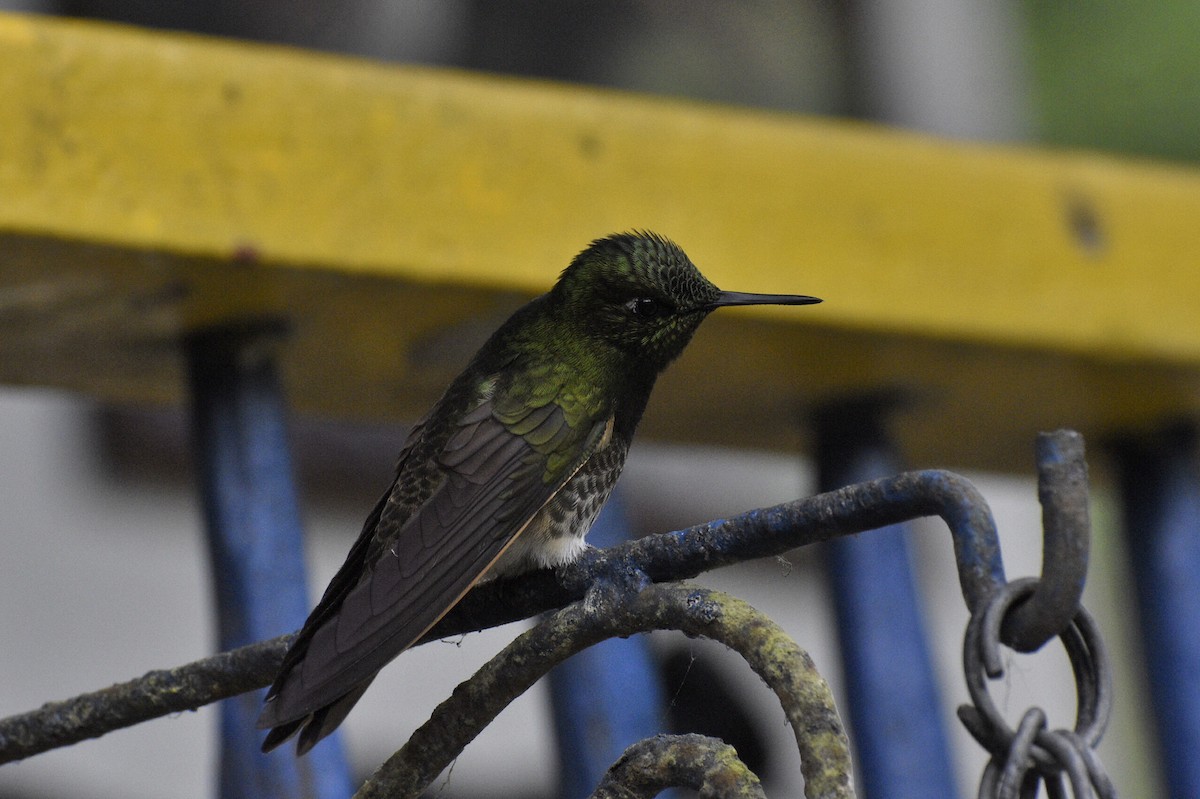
x=318, y=724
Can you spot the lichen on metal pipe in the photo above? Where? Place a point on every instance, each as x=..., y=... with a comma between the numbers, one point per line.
x=707, y=765
x=610, y=610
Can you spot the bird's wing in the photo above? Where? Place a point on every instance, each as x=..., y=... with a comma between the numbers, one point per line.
x=500, y=467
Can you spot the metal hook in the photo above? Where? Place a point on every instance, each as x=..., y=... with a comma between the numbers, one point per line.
x=1066, y=532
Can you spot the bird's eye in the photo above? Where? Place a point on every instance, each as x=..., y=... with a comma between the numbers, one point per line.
x=645, y=307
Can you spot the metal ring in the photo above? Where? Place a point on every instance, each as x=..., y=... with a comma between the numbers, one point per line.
x=1069, y=760
x=990, y=779
x=981, y=660
x=1101, y=782
x=1017, y=763
x=1054, y=786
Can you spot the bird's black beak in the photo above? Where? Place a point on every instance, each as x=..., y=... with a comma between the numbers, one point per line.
x=738, y=298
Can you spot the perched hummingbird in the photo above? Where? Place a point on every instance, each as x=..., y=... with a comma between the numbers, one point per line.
x=506, y=473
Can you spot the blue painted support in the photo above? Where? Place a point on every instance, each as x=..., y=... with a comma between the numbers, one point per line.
x=896, y=716
x=255, y=541
x=607, y=696
x=1160, y=484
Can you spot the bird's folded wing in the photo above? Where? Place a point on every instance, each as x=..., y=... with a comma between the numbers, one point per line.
x=495, y=482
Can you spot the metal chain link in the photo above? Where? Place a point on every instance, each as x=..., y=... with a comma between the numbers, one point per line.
x=1033, y=754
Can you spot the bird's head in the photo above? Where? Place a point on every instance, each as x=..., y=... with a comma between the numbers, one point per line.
x=640, y=293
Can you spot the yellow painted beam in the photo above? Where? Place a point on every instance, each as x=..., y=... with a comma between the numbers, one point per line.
x=152, y=183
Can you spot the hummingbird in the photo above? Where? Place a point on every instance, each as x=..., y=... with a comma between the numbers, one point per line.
x=506, y=473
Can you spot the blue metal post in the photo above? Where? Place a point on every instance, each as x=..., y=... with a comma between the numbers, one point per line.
x=255, y=542
x=895, y=708
x=1160, y=484
x=607, y=696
